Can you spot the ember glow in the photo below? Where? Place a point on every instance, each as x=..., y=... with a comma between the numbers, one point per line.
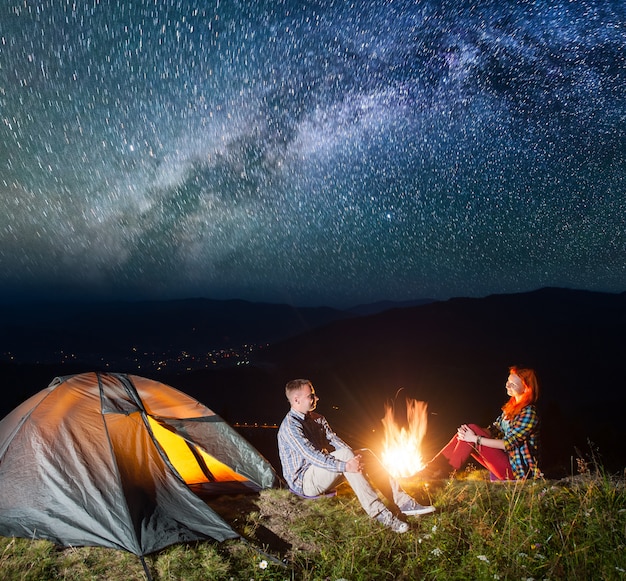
x=401, y=453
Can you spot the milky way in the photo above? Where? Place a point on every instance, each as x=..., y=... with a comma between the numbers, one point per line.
x=316, y=152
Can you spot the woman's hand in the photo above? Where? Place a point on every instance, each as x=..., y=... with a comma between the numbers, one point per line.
x=466, y=434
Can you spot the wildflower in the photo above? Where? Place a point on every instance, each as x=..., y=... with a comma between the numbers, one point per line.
x=434, y=529
x=483, y=558
x=263, y=564
x=437, y=552
x=522, y=555
x=620, y=569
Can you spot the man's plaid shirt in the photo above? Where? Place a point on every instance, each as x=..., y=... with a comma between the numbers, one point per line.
x=304, y=441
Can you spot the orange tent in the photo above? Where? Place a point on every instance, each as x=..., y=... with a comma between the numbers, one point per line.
x=114, y=460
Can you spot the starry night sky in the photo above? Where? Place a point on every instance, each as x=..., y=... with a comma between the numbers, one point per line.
x=318, y=152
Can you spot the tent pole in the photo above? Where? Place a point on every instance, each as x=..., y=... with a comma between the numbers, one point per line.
x=145, y=568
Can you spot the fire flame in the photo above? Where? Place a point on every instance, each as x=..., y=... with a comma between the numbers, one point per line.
x=401, y=453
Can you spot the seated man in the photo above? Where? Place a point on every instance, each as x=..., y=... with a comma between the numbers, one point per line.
x=314, y=458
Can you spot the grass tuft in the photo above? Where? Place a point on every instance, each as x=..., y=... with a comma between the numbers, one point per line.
x=569, y=529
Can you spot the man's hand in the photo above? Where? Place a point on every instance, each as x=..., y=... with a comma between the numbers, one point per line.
x=354, y=464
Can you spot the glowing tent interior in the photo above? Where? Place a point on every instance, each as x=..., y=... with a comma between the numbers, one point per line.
x=115, y=460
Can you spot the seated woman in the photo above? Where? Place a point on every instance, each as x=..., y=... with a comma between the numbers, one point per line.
x=509, y=447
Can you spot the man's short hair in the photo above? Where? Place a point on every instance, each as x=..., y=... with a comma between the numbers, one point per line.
x=295, y=385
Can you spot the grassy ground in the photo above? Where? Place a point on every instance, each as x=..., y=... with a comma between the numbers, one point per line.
x=570, y=529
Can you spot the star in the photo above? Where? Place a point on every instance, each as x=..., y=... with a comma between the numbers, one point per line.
x=311, y=152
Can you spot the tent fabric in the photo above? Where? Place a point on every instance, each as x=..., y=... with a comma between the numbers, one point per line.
x=106, y=459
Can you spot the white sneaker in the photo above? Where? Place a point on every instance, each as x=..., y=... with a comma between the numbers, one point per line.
x=390, y=521
x=415, y=508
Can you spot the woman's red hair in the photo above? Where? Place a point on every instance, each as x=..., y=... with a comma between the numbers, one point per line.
x=528, y=378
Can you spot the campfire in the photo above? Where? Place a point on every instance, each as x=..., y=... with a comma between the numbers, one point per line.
x=401, y=453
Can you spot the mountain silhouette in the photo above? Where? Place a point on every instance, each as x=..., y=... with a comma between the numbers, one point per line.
x=37, y=331
x=452, y=354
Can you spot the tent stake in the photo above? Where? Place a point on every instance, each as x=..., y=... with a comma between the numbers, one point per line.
x=145, y=568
